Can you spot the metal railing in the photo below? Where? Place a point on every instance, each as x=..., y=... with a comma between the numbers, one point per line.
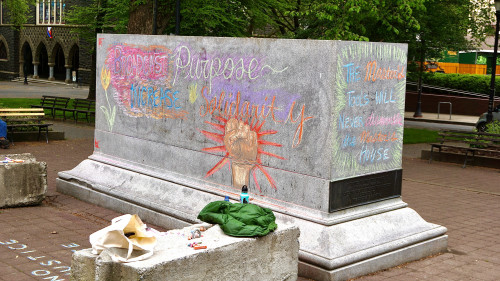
x=452, y=91
x=439, y=105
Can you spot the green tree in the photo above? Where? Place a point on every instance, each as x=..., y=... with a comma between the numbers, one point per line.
x=98, y=16
x=428, y=26
x=230, y=18
x=346, y=20
x=18, y=11
x=451, y=25
x=445, y=25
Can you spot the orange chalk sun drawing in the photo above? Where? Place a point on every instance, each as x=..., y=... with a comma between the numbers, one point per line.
x=243, y=147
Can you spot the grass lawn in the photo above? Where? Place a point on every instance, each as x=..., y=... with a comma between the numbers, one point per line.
x=18, y=103
x=412, y=135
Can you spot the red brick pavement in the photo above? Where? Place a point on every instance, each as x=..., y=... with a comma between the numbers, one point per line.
x=36, y=242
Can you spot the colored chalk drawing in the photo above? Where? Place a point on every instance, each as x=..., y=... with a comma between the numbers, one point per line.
x=146, y=81
x=243, y=147
x=141, y=79
x=109, y=111
x=369, y=89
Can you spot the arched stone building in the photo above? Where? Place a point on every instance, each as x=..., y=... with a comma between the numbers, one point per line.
x=45, y=47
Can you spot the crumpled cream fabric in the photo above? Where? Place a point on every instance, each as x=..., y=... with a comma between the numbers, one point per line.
x=125, y=232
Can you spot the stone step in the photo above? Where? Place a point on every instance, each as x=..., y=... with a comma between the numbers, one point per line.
x=41, y=81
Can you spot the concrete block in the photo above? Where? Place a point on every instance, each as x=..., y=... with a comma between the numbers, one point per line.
x=272, y=257
x=22, y=183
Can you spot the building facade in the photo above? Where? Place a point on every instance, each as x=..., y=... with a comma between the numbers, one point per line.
x=45, y=48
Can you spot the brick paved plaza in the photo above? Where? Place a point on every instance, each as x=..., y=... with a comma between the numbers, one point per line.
x=36, y=243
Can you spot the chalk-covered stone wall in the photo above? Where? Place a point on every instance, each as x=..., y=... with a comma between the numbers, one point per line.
x=286, y=117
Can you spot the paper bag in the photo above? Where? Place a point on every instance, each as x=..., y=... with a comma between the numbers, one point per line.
x=125, y=232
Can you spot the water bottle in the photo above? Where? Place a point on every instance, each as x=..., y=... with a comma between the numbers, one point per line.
x=244, y=198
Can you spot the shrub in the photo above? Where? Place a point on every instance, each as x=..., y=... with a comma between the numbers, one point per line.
x=493, y=127
x=465, y=82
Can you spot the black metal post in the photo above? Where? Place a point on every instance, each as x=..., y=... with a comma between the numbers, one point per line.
x=177, y=17
x=25, y=71
x=418, y=111
x=155, y=15
x=489, y=116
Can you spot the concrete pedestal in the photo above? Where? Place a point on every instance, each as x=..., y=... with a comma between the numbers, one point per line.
x=22, y=182
x=272, y=257
x=333, y=246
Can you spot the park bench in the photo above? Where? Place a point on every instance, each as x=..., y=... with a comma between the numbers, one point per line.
x=79, y=107
x=19, y=118
x=468, y=143
x=53, y=104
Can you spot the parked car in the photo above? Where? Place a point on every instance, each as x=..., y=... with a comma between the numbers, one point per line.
x=481, y=123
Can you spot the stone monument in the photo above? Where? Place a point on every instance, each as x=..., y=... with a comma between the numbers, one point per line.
x=313, y=128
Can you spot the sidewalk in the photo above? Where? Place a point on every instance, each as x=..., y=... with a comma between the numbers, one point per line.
x=445, y=118
x=36, y=243
x=37, y=90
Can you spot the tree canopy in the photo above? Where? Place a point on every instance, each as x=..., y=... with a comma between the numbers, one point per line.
x=18, y=11
x=455, y=24
x=428, y=26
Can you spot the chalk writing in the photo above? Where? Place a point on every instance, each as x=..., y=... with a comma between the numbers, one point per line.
x=373, y=154
x=370, y=112
x=382, y=97
x=141, y=77
x=50, y=268
x=346, y=122
x=153, y=97
x=369, y=137
x=375, y=120
x=253, y=113
x=353, y=73
x=190, y=66
x=349, y=141
x=129, y=61
x=373, y=73
x=360, y=99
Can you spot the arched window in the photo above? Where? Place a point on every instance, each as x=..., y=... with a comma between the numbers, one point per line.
x=3, y=50
x=50, y=11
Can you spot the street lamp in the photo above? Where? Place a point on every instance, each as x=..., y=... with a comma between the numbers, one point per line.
x=418, y=111
x=177, y=17
x=155, y=16
x=489, y=116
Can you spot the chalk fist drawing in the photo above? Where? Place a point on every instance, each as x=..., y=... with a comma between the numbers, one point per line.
x=243, y=147
x=241, y=144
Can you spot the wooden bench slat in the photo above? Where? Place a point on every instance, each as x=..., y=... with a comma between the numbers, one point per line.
x=22, y=114
x=52, y=103
x=21, y=109
x=19, y=118
x=81, y=106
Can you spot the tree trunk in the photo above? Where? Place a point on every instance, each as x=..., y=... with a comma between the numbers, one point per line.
x=92, y=87
x=141, y=20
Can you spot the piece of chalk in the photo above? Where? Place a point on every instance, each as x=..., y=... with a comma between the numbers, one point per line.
x=200, y=247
